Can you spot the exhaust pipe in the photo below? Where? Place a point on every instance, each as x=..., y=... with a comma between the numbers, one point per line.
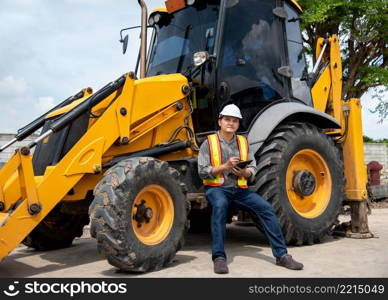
x=143, y=36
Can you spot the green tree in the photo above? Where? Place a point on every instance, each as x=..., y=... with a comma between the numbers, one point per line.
x=362, y=26
x=385, y=141
x=368, y=139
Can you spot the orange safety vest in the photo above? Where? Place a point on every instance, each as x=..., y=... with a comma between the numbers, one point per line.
x=216, y=159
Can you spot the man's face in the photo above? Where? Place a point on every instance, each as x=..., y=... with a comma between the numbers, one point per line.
x=229, y=124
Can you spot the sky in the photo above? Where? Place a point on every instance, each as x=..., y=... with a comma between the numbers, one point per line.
x=49, y=50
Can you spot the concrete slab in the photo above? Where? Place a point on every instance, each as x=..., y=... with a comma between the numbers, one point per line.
x=248, y=256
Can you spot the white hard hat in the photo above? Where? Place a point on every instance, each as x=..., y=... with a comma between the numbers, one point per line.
x=231, y=110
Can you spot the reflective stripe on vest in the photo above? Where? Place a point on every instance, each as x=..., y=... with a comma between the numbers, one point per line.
x=243, y=147
x=216, y=159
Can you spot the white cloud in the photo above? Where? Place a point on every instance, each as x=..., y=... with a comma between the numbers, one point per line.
x=18, y=106
x=56, y=48
x=92, y=2
x=370, y=121
x=15, y=103
x=10, y=86
x=45, y=103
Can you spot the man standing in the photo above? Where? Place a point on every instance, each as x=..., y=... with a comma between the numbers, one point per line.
x=226, y=184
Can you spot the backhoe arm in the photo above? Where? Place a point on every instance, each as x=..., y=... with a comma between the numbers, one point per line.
x=327, y=97
x=38, y=196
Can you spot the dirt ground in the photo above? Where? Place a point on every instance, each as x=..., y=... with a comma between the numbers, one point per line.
x=248, y=256
x=380, y=204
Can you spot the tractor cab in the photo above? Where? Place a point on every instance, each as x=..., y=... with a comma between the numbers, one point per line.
x=253, y=54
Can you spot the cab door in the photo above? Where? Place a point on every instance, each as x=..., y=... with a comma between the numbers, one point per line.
x=250, y=57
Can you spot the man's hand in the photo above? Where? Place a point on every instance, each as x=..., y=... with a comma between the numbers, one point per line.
x=231, y=163
x=241, y=172
x=228, y=166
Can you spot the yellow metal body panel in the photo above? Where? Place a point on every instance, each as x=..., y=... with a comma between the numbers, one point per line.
x=88, y=159
x=3, y=217
x=353, y=152
x=26, y=179
x=87, y=183
x=321, y=90
x=157, y=129
x=160, y=9
x=327, y=97
x=64, y=109
x=154, y=119
x=12, y=189
x=87, y=93
x=327, y=91
x=147, y=97
x=336, y=77
x=154, y=100
x=6, y=173
x=186, y=153
x=295, y=3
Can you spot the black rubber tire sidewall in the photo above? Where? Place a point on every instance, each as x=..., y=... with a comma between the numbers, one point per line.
x=170, y=243
x=48, y=236
x=314, y=142
x=117, y=241
x=273, y=159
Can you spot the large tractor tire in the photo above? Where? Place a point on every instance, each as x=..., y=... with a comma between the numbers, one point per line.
x=300, y=172
x=57, y=230
x=139, y=214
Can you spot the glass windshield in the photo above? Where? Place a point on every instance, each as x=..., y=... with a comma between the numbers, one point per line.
x=180, y=35
x=250, y=57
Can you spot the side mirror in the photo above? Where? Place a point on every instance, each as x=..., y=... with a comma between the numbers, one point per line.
x=199, y=58
x=125, y=43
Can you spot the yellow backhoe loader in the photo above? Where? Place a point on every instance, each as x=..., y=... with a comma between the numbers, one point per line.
x=125, y=157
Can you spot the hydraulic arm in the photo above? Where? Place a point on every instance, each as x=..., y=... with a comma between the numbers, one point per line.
x=123, y=122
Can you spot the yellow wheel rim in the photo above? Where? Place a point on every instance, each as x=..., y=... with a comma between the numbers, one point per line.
x=153, y=226
x=311, y=162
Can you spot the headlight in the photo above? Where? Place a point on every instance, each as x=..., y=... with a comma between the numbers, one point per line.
x=200, y=58
x=154, y=19
x=151, y=21
x=157, y=18
x=190, y=2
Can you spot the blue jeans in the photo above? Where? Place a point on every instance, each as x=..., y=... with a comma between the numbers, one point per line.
x=220, y=198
